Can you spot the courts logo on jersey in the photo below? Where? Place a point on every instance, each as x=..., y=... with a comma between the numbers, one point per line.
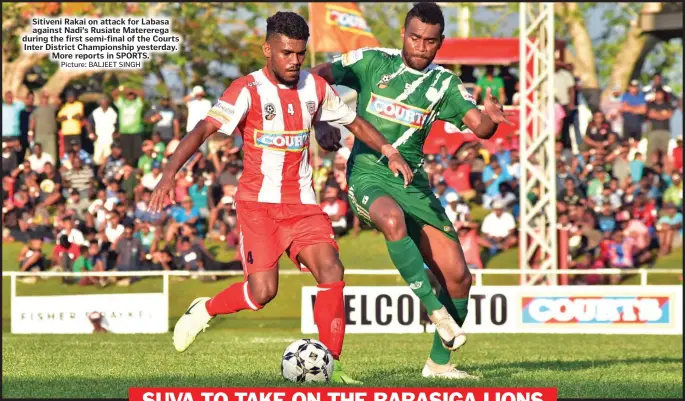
x=311, y=107
x=269, y=111
x=284, y=141
x=347, y=20
x=391, y=110
x=613, y=310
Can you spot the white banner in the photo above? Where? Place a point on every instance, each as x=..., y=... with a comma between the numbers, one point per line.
x=510, y=309
x=68, y=314
x=391, y=309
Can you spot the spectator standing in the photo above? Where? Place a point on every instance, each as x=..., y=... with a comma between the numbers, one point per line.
x=24, y=126
x=129, y=101
x=102, y=126
x=633, y=110
x=43, y=126
x=198, y=107
x=70, y=116
x=611, y=107
x=11, y=123
x=165, y=120
x=565, y=95
x=659, y=113
x=489, y=80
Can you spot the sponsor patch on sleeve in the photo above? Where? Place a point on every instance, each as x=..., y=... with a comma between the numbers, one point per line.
x=222, y=112
x=352, y=57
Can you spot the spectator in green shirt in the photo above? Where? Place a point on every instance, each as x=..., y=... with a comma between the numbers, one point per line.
x=489, y=80
x=148, y=158
x=674, y=193
x=130, y=104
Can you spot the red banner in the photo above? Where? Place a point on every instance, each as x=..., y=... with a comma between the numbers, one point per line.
x=343, y=394
x=339, y=28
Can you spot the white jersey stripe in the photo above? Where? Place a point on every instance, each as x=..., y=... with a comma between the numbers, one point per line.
x=309, y=102
x=272, y=160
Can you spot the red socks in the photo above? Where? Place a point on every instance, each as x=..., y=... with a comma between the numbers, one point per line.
x=329, y=315
x=233, y=299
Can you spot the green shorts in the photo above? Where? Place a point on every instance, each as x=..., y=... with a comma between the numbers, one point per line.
x=420, y=205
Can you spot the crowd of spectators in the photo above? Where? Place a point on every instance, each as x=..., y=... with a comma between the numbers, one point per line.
x=83, y=182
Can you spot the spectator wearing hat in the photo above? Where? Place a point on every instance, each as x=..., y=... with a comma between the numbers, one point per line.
x=102, y=125
x=70, y=116
x=165, y=120
x=670, y=229
x=611, y=107
x=456, y=209
x=441, y=191
x=499, y=229
x=659, y=113
x=198, y=107
x=151, y=179
x=73, y=150
x=633, y=111
x=129, y=101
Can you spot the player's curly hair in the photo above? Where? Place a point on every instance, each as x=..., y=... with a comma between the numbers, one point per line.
x=428, y=13
x=288, y=24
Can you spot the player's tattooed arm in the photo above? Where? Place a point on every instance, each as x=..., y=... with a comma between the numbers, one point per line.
x=484, y=124
x=185, y=149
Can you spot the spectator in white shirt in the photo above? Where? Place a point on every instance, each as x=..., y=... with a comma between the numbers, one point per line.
x=456, y=211
x=151, y=179
x=102, y=125
x=499, y=229
x=336, y=209
x=74, y=235
x=113, y=229
x=198, y=107
x=38, y=158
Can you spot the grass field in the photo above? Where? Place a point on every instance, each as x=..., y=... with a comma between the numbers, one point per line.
x=42, y=366
x=244, y=349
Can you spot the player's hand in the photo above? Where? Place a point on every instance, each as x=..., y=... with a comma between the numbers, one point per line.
x=398, y=166
x=164, y=188
x=327, y=136
x=494, y=109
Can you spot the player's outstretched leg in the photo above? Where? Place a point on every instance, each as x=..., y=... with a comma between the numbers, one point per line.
x=388, y=217
x=257, y=291
x=443, y=254
x=329, y=307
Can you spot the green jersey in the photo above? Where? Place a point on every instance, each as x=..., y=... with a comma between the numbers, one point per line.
x=401, y=103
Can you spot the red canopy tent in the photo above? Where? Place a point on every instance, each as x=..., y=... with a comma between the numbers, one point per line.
x=478, y=51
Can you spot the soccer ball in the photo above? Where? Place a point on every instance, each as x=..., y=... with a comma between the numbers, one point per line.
x=307, y=360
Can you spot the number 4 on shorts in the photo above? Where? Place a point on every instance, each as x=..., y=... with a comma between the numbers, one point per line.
x=249, y=258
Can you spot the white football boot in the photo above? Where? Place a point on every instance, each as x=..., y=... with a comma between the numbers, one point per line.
x=452, y=336
x=195, y=320
x=449, y=371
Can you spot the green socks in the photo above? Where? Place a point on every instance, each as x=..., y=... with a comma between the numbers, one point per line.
x=458, y=308
x=408, y=260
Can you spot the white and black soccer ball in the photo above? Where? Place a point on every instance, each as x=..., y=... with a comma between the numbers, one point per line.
x=307, y=360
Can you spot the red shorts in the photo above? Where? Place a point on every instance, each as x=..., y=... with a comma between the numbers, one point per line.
x=269, y=229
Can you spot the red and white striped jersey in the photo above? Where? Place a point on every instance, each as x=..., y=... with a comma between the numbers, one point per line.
x=275, y=121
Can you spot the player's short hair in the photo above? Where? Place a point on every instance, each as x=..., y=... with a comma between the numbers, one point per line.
x=428, y=13
x=288, y=24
